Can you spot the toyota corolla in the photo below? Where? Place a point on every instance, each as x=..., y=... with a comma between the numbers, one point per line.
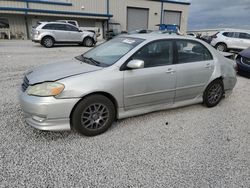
x=127, y=76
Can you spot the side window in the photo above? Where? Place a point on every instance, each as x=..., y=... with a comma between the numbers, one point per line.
x=236, y=35
x=155, y=54
x=192, y=51
x=231, y=34
x=244, y=36
x=61, y=27
x=73, y=23
x=48, y=26
x=71, y=28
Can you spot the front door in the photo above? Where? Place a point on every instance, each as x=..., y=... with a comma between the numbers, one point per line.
x=73, y=34
x=156, y=82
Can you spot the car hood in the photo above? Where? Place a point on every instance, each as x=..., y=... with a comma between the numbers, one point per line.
x=245, y=53
x=59, y=70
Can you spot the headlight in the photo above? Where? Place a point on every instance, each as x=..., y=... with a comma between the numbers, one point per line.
x=46, y=89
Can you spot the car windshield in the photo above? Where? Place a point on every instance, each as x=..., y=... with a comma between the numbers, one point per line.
x=110, y=52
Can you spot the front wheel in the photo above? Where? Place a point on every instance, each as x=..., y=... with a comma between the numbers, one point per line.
x=93, y=115
x=213, y=94
x=88, y=42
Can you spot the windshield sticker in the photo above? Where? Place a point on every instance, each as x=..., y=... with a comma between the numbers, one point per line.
x=128, y=41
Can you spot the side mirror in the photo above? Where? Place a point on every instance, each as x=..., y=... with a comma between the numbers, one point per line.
x=79, y=30
x=135, y=64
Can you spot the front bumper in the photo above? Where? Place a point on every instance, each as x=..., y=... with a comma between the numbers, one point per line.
x=47, y=113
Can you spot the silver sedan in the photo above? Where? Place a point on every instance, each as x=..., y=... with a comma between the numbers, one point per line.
x=127, y=76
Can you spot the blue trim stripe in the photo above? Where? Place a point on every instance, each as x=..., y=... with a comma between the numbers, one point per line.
x=176, y=2
x=47, y=2
x=55, y=12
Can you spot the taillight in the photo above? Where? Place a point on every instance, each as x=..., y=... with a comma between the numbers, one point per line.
x=236, y=67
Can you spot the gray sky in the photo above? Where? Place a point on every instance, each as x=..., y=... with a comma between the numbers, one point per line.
x=206, y=14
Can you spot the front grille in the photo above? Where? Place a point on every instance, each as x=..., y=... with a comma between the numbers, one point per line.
x=245, y=60
x=25, y=84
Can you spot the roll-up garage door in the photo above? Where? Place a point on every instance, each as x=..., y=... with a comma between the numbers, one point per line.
x=172, y=17
x=137, y=18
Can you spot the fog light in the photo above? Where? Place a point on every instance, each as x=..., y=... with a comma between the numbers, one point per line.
x=39, y=119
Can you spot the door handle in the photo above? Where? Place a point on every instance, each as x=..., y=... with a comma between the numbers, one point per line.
x=170, y=71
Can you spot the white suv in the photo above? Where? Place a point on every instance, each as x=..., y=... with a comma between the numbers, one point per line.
x=231, y=39
x=49, y=33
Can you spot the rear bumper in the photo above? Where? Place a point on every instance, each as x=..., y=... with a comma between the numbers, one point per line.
x=47, y=113
x=36, y=41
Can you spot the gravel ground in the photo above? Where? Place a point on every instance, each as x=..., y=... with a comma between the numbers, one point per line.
x=199, y=147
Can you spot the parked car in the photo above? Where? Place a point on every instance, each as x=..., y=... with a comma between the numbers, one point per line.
x=126, y=76
x=231, y=39
x=243, y=62
x=49, y=33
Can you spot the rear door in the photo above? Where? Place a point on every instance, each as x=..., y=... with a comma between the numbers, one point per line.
x=194, y=70
x=156, y=82
x=60, y=32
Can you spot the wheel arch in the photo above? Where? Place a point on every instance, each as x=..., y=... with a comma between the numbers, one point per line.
x=106, y=94
x=48, y=36
x=222, y=42
x=86, y=37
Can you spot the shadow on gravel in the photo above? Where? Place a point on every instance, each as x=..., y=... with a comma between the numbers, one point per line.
x=61, y=45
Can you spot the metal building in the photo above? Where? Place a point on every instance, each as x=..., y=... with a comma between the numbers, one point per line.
x=18, y=16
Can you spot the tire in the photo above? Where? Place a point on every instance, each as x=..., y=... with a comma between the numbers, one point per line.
x=48, y=42
x=93, y=115
x=88, y=42
x=213, y=93
x=221, y=47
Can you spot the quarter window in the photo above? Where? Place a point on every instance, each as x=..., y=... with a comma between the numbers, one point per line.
x=228, y=34
x=192, y=51
x=155, y=54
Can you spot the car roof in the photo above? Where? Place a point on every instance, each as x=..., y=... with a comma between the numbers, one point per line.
x=54, y=22
x=155, y=36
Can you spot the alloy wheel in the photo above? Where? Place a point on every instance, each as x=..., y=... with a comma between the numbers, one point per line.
x=95, y=116
x=215, y=93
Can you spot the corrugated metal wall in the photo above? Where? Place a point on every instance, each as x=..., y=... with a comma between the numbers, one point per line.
x=118, y=8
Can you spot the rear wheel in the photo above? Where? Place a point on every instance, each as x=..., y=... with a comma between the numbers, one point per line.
x=48, y=42
x=88, y=42
x=213, y=94
x=93, y=115
x=221, y=47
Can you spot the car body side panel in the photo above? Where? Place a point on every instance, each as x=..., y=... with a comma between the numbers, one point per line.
x=109, y=80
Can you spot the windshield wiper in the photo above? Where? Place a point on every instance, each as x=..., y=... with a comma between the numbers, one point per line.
x=91, y=60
